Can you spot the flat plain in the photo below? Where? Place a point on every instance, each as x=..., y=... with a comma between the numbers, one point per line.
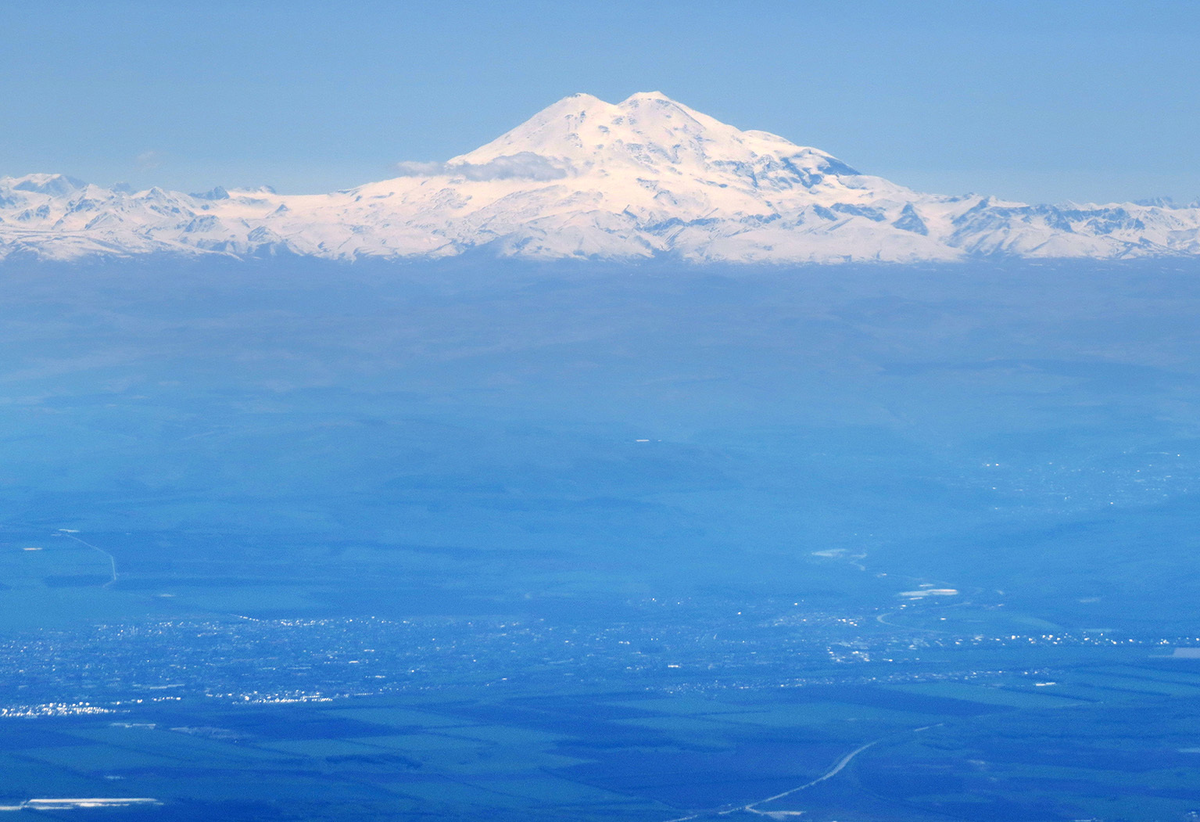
x=472, y=539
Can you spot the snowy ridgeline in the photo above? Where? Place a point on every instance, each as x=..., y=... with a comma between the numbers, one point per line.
x=585, y=178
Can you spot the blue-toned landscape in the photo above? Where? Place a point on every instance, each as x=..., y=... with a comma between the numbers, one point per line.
x=763, y=411
x=293, y=539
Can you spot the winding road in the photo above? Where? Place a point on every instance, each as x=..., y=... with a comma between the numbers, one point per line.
x=112, y=561
x=829, y=774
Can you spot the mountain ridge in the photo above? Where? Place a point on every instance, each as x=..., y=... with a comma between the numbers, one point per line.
x=643, y=178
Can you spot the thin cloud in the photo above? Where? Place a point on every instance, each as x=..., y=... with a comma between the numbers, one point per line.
x=523, y=166
x=149, y=160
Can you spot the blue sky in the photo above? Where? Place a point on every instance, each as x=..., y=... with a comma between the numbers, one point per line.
x=1043, y=101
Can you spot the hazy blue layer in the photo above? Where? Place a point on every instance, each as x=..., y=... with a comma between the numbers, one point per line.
x=491, y=438
x=480, y=540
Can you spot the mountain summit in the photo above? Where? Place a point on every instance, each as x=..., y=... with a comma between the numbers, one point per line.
x=585, y=178
x=649, y=133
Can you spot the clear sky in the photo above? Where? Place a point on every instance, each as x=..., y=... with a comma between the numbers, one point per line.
x=1041, y=101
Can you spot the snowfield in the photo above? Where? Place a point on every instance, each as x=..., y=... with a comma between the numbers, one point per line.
x=586, y=178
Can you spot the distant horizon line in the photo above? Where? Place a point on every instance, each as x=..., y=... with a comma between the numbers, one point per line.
x=414, y=168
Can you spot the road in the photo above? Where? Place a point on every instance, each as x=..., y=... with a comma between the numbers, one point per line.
x=112, y=561
x=829, y=774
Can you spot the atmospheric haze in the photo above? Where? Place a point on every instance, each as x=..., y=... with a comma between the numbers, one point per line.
x=646, y=178
x=629, y=467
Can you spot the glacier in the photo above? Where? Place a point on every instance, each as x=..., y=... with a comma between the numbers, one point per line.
x=645, y=178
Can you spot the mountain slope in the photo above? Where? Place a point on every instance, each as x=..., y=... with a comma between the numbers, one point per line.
x=586, y=178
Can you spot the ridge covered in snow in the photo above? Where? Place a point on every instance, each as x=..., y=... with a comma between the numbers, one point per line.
x=586, y=178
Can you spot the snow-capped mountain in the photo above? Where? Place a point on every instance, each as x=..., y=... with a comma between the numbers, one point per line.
x=586, y=178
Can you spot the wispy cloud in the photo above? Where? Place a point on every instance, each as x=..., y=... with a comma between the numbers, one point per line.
x=148, y=160
x=523, y=166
